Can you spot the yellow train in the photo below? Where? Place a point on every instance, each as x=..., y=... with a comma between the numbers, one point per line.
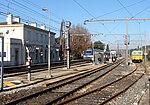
x=137, y=56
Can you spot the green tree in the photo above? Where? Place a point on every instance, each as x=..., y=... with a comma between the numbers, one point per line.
x=99, y=45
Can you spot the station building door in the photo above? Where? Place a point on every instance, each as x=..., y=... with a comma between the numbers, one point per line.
x=16, y=56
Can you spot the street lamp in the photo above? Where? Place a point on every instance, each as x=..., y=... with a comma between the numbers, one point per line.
x=49, y=47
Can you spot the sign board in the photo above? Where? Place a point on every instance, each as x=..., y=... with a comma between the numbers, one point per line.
x=4, y=53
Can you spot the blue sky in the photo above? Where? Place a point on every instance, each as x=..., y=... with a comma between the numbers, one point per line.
x=77, y=11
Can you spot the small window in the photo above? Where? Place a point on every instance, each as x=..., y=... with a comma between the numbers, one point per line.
x=89, y=52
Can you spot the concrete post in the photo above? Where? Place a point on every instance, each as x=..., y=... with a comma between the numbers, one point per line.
x=68, y=24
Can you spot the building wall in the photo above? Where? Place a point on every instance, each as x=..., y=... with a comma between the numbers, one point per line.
x=11, y=33
x=18, y=37
x=37, y=40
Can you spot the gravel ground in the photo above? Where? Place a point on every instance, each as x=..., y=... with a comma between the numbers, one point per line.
x=136, y=95
x=7, y=96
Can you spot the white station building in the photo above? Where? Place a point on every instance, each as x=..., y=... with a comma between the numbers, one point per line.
x=23, y=39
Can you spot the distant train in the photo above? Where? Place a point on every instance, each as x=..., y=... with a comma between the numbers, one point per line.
x=137, y=56
x=93, y=54
x=113, y=56
x=110, y=56
x=88, y=54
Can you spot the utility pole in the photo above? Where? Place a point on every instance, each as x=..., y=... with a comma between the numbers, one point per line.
x=2, y=61
x=127, y=42
x=68, y=24
x=120, y=19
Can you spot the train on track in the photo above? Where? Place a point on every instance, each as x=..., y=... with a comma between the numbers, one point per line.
x=88, y=54
x=113, y=55
x=98, y=55
x=137, y=56
x=95, y=55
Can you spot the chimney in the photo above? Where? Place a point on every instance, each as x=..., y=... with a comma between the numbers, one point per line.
x=43, y=26
x=9, y=19
x=17, y=19
x=34, y=24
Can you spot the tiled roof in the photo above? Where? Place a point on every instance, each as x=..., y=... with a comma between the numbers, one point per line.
x=5, y=23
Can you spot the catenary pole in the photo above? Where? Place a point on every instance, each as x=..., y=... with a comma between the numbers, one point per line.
x=120, y=19
x=126, y=41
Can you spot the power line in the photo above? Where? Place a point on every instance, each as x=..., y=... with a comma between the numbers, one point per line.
x=83, y=8
x=120, y=9
x=25, y=20
x=3, y=13
x=127, y=10
x=142, y=10
x=30, y=10
x=52, y=27
x=39, y=7
x=90, y=14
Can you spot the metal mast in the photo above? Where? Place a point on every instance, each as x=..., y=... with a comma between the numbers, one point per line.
x=120, y=19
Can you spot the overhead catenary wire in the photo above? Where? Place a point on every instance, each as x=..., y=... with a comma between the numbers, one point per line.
x=124, y=7
x=133, y=16
x=39, y=7
x=127, y=10
x=30, y=10
x=108, y=13
x=52, y=27
x=142, y=11
x=90, y=14
x=27, y=21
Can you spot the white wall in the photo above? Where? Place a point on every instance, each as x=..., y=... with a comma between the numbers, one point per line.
x=34, y=38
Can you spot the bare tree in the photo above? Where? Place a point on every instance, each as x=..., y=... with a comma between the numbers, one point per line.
x=80, y=39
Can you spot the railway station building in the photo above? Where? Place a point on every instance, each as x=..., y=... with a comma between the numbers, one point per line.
x=21, y=40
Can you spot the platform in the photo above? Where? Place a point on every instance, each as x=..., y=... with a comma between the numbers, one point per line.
x=37, y=77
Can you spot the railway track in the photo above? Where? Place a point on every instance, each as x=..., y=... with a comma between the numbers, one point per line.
x=104, y=94
x=55, y=92
x=34, y=69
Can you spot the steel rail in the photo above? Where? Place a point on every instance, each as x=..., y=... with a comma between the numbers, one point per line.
x=10, y=68
x=78, y=88
x=98, y=89
x=33, y=70
x=45, y=90
x=56, y=82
